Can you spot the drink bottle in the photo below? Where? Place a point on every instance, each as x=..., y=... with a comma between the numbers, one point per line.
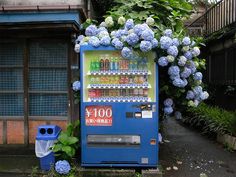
x=145, y=92
x=107, y=64
x=116, y=64
x=145, y=64
x=91, y=67
x=102, y=63
x=97, y=65
x=140, y=92
x=111, y=67
x=92, y=80
x=136, y=92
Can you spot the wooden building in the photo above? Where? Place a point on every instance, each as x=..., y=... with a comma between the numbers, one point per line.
x=37, y=65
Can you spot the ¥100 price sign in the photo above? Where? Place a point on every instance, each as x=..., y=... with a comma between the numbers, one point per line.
x=98, y=115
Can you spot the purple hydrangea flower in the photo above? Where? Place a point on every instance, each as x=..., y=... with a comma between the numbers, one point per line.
x=129, y=24
x=168, y=33
x=147, y=35
x=163, y=61
x=62, y=167
x=94, y=41
x=173, y=71
x=126, y=53
x=190, y=95
x=173, y=50
x=186, y=41
x=132, y=39
x=176, y=42
x=91, y=30
x=145, y=46
x=182, y=61
x=188, y=55
x=117, y=43
x=196, y=51
x=168, y=102
x=180, y=83
x=106, y=40
x=186, y=73
x=165, y=42
x=154, y=43
x=168, y=110
x=197, y=76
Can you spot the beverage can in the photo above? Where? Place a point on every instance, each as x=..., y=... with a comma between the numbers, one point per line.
x=145, y=92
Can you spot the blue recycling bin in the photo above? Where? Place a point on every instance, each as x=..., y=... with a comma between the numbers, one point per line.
x=45, y=138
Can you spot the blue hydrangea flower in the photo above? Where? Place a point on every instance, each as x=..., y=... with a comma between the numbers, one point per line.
x=103, y=24
x=186, y=41
x=197, y=90
x=120, y=33
x=147, y=35
x=132, y=39
x=101, y=29
x=129, y=24
x=182, y=61
x=168, y=33
x=172, y=77
x=117, y=43
x=168, y=102
x=176, y=42
x=173, y=50
x=145, y=46
x=126, y=53
x=154, y=43
x=190, y=95
x=94, y=41
x=62, y=167
x=204, y=95
x=197, y=76
x=106, y=40
x=178, y=115
x=165, y=42
x=91, y=30
x=186, y=73
x=79, y=38
x=196, y=103
x=168, y=110
x=113, y=34
x=190, y=64
x=196, y=51
x=138, y=29
x=173, y=71
x=180, y=83
x=162, y=61
x=76, y=86
x=188, y=55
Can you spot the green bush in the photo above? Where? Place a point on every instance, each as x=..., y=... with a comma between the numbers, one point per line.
x=211, y=119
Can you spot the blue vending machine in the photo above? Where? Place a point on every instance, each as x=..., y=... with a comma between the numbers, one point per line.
x=119, y=108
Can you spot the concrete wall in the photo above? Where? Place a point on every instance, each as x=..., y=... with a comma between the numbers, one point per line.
x=41, y=2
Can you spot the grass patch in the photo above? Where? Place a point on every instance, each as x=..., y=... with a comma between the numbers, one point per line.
x=211, y=119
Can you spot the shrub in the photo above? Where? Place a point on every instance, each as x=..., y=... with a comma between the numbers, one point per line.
x=211, y=119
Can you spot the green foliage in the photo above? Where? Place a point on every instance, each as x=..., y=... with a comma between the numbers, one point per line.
x=68, y=142
x=211, y=119
x=166, y=13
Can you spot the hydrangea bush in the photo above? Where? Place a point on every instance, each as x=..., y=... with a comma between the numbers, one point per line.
x=62, y=167
x=177, y=57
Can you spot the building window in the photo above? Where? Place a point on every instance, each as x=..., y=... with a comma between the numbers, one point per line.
x=11, y=79
x=48, y=79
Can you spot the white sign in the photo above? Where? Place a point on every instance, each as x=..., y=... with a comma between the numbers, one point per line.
x=147, y=114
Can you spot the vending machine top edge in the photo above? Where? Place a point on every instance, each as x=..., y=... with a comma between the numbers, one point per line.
x=119, y=108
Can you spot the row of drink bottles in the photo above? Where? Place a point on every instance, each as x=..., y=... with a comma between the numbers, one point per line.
x=115, y=93
x=107, y=63
x=119, y=79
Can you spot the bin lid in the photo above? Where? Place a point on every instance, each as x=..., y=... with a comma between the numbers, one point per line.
x=48, y=132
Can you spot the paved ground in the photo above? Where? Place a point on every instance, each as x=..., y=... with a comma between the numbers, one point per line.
x=198, y=154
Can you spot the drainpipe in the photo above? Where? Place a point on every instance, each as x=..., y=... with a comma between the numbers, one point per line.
x=88, y=8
